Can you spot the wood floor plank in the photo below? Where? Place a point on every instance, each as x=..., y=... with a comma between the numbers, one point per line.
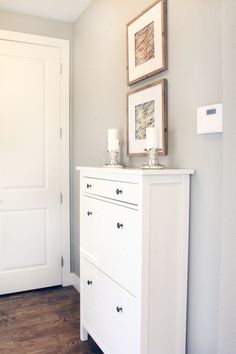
x=69, y=312
x=43, y=322
x=21, y=301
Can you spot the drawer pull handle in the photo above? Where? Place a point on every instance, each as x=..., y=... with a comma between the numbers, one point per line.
x=89, y=282
x=89, y=185
x=119, y=191
x=119, y=226
x=119, y=309
x=89, y=213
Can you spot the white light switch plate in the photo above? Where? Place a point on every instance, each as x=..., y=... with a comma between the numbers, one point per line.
x=209, y=119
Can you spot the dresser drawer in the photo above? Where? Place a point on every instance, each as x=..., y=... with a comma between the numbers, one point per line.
x=90, y=224
x=116, y=190
x=121, y=236
x=117, y=311
x=111, y=240
x=88, y=309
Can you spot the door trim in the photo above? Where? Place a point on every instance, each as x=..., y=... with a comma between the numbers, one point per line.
x=64, y=47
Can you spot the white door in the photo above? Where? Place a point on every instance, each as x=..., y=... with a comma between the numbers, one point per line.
x=30, y=239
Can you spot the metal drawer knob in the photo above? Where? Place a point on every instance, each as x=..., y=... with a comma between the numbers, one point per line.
x=89, y=213
x=89, y=185
x=89, y=282
x=119, y=226
x=119, y=309
x=119, y=191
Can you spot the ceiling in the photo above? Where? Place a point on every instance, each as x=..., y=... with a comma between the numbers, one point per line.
x=63, y=10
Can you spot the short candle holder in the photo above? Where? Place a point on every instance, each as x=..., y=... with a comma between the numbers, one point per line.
x=152, y=159
x=113, y=159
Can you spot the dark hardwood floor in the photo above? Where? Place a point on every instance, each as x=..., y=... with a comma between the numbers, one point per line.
x=42, y=321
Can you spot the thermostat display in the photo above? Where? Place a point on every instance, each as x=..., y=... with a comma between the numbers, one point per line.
x=211, y=111
x=209, y=119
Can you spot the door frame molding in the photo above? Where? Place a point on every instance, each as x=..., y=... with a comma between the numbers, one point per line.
x=64, y=46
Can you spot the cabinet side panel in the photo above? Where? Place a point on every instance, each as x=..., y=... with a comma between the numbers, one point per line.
x=168, y=269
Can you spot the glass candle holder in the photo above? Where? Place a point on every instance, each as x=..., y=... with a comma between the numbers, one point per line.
x=152, y=159
x=113, y=158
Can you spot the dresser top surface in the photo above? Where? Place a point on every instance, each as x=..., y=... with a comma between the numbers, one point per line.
x=137, y=171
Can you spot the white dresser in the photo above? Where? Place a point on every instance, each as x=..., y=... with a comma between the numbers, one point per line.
x=134, y=255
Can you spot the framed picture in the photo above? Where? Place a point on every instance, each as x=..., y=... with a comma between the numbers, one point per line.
x=147, y=43
x=146, y=107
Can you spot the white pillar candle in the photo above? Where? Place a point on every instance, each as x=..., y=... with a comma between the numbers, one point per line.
x=152, y=141
x=113, y=145
x=113, y=134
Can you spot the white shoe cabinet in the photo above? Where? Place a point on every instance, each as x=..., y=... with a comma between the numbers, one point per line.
x=134, y=255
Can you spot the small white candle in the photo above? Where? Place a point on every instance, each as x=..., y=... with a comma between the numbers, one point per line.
x=113, y=145
x=113, y=134
x=152, y=141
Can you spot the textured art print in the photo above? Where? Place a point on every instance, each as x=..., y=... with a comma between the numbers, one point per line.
x=147, y=43
x=144, y=44
x=144, y=117
x=146, y=107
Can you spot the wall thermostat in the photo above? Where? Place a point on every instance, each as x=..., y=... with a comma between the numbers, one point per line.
x=209, y=119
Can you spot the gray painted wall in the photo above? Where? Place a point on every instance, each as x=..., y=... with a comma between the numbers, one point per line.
x=227, y=308
x=11, y=21
x=195, y=79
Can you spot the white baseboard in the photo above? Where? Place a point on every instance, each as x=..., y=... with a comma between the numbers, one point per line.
x=68, y=279
x=72, y=279
x=76, y=282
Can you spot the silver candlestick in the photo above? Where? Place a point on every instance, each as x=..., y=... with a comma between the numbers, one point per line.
x=152, y=159
x=113, y=159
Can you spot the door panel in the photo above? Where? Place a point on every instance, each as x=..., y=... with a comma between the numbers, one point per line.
x=24, y=243
x=30, y=235
x=22, y=130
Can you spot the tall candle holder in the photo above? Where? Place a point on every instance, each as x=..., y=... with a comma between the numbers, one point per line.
x=113, y=149
x=152, y=159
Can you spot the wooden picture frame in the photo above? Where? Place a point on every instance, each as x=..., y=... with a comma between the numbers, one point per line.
x=147, y=43
x=146, y=106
